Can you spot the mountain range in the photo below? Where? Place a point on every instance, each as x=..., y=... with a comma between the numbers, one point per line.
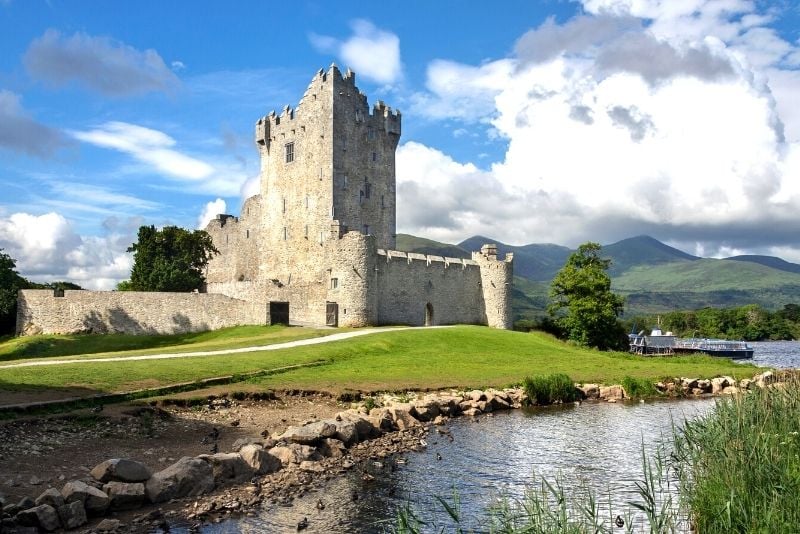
x=653, y=277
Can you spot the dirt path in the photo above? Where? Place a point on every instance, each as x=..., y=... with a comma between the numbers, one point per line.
x=165, y=356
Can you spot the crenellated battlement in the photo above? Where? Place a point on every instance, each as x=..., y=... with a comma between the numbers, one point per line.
x=428, y=259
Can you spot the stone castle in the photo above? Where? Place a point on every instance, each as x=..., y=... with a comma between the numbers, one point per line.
x=314, y=247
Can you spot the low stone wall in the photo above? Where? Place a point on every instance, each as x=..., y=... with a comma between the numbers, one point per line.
x=39, y=311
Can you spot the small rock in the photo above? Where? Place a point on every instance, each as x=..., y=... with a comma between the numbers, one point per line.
x=109, y=525
x=43, y=516
x=34, y=480
x=52, y=497
x=122, y=470
x=72, y=515
x=124, y=495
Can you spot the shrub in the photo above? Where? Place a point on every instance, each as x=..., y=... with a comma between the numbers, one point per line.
x=547, y=389
x=638, y=388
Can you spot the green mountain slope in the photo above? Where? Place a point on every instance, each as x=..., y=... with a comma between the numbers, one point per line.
x=769, y=261
x=538, y=262
x=642, y=250
x=410, y=243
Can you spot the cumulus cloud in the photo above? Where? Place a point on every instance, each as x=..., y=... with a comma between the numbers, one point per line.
x=618, y=128
x=100, y=63
x=21, y=133
x=371, y=52
x=211, y=210
x=47, y=249
x=156, y=151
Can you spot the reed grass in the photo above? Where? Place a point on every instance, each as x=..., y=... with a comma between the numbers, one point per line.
x=740, y=465
x=639, y=388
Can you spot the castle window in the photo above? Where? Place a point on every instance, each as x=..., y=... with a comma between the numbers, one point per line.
x=366, y=229
x=284, y=204
x=344, y=143
x=374, y=156
x=334, y=283
x=306, y=201
x=247, y=234
x=344, y=182
x=285, y=233
x=383, y=204
x=306, y=236
x=289, y=152
x=367, y=188
x=370, y=133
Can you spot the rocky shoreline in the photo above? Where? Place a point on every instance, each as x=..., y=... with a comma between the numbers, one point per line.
x=126, y=495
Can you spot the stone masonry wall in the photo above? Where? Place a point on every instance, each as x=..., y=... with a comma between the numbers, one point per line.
x=409, y=282
x=130, y=312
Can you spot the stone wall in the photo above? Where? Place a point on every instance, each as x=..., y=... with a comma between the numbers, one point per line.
x=416, y=289
x=130, y=312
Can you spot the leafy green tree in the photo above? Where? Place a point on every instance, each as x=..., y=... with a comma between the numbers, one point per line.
x=582, y=302
x=10, y=283
x=124, y=285
x=170, y=259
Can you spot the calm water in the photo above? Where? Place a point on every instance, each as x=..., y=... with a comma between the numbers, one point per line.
x=781, y=354
x=598, y=443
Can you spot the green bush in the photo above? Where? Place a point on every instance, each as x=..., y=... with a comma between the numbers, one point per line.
x=638, y=388
x=548, y=389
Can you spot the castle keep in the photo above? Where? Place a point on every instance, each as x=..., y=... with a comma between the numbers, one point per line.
x=316, y=245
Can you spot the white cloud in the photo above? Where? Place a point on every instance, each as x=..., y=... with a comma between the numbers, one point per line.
x=605, y=144
x=155, y=150
x=370, y=52
x=47, y=249
x=103, y=64
x=211, y=210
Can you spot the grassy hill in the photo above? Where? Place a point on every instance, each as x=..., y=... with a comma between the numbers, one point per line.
x=410, y=243
x=769, y=261
x=539, y=262
x=642, y=251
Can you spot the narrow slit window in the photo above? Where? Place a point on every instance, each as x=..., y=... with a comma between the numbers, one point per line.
x=285, y=233
x=334, y=283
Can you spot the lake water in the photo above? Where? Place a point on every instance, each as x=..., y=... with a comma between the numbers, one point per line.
x=597, y=444
x=780, y=354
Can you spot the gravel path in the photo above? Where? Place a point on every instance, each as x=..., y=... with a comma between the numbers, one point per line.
x=165, y=356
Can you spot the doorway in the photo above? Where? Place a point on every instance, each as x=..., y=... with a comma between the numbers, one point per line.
x=279, y=313
x=331, y=314
x=429, y=314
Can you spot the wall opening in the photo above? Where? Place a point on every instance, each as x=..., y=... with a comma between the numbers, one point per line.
x=429, y=314
x=279, y=313
x=331, y=314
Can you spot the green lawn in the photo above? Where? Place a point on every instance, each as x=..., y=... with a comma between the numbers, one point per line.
x=104, y=346
x=463, y=356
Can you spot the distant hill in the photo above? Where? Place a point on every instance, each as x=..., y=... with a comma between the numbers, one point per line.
x=410, y=243
x=652, y=276
x=769, y=261
x=642, y=250
x=538, y=262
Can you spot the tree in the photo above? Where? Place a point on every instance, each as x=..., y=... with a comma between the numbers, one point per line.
x=10, y=283
x=582, y=303
x=170, y=259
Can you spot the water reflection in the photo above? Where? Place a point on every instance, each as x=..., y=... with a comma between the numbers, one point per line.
x=597, y=443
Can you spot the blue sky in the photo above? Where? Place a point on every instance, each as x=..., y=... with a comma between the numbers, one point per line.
x=523, y=121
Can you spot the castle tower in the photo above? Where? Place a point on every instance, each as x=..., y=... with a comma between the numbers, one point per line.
x=327, y=167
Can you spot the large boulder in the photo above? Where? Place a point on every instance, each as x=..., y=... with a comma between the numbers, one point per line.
x=448, y=404
x=402, y=418
x=44, y=517
x=52, y=497
x=72, y=515
x=425, y=409
x=230, y=467
x=615, y=392
x=185, y=478
x=95, y=501
x=122, y=470
x=309, y=434
x=259, y=460
x=365, y=427
x=346, y=432
x=124, y=495
x=590, y=391
x=331, y=448
x=720, y=383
